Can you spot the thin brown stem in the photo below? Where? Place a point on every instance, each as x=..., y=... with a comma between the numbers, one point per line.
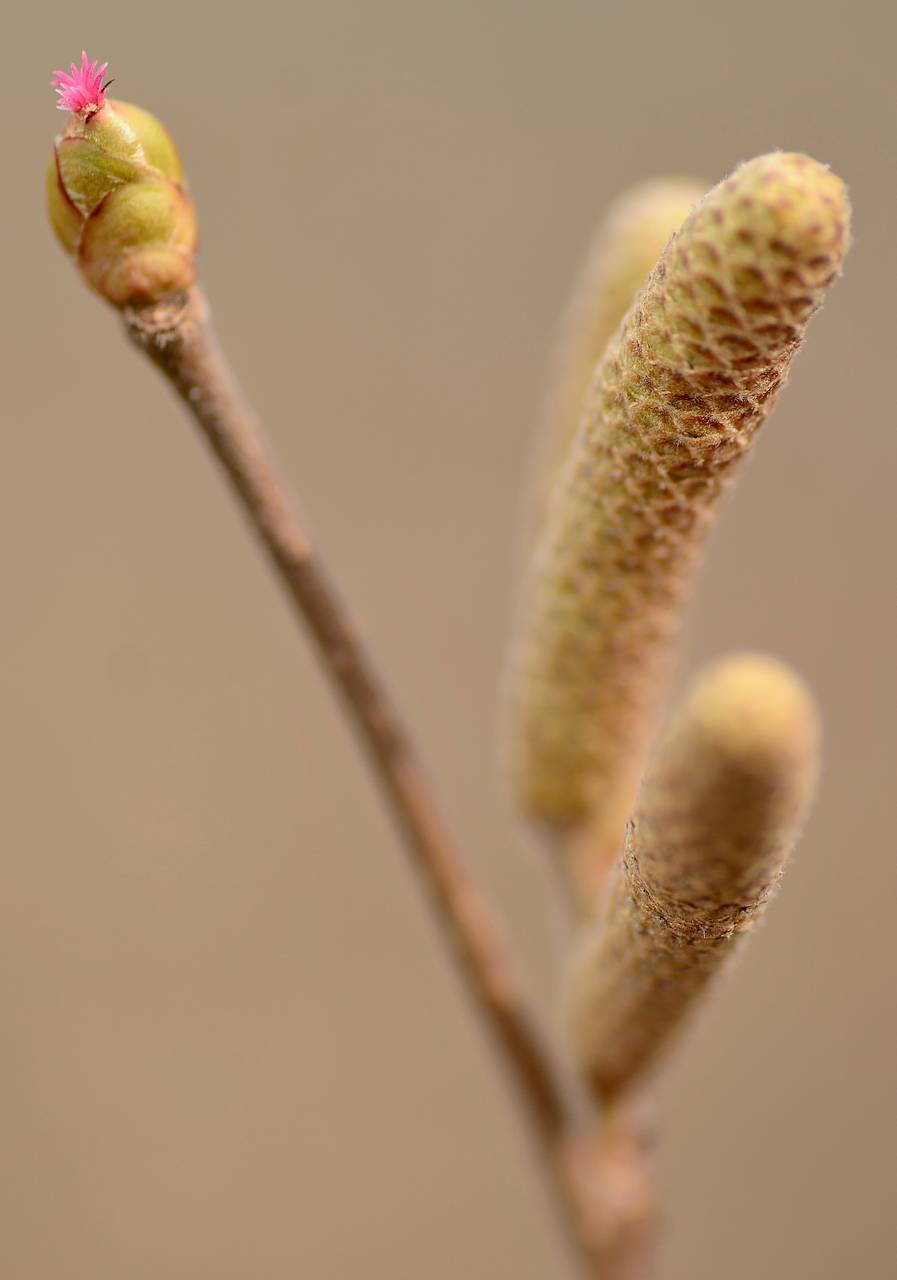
x=600, y=1184
x=176, y=335
x=611, y=1176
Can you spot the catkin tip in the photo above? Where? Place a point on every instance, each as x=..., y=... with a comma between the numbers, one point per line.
x=798, y=202
x=755, y=712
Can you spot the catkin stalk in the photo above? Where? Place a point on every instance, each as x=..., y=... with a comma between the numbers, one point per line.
x=717, y=817
x=673, y=410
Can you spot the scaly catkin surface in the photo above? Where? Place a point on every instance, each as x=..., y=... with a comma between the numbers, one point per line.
x=625, y=248
x=673, y=409
x=718, y=815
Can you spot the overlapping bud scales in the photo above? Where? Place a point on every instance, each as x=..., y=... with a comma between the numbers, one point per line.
x=116, y=194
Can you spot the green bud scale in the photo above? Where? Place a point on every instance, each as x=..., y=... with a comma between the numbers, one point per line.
x=118, y=202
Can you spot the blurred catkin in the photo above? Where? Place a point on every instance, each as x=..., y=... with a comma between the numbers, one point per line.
x=625, y=247
x=717, y=817
x=673, y=408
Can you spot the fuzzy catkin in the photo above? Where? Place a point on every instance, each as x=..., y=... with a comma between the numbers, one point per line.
x=625, y=248
x=717, y=817
x=673, y=409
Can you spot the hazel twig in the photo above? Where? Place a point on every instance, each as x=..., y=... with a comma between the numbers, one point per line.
x=672, y=409
x=175, y=334
x=119, y=205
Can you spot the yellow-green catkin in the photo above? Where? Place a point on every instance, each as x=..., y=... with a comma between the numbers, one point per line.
x=673, y=409
x=717, y=816
x=625, y=247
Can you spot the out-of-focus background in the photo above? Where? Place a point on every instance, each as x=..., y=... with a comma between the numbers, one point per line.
x=233, y=1046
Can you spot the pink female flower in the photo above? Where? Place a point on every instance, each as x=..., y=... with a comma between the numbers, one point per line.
x=82, y=91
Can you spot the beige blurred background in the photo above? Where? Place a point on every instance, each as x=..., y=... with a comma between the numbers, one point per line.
x=233, y=1044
